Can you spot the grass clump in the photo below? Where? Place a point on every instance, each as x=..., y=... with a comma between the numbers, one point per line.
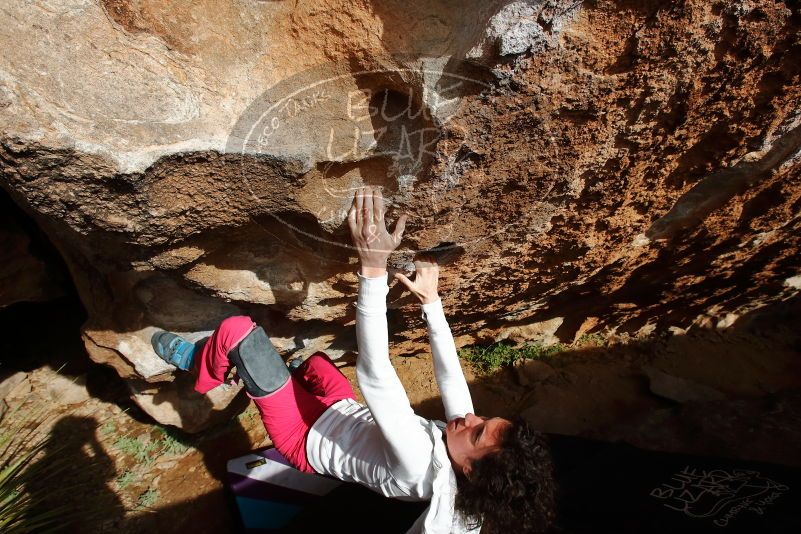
x=148, y=498
x=32, y=475
x=595, y=339
x=170, y=442
x=125, y=479
x=501, y=354
x=108, y=428
x=145, y=451
x=142, y=452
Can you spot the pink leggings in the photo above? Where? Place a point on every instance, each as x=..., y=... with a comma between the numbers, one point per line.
x=289, y=412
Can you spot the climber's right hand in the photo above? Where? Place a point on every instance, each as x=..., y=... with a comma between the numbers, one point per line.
x=426, y=279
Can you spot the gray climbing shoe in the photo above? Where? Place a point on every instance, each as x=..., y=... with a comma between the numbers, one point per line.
x=258, y=364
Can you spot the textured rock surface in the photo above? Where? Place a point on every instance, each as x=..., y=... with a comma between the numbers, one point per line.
x=610, y=164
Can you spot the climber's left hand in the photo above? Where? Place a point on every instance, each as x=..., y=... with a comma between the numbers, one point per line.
x=369, y=232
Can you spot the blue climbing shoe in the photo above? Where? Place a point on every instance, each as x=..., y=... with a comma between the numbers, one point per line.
x=173, y=349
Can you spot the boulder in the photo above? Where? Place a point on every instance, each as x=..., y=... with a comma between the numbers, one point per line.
x=679, y=389
x=531, y=371
x=67, y=391
x=615, y=161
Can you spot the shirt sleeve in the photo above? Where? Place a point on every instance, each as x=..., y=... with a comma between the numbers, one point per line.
x=447, y=369
x=408, y=445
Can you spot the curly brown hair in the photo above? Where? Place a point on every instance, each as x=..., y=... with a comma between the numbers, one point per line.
x=512, y=490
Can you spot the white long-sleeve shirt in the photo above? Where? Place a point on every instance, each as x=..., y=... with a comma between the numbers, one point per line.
x=385, y=445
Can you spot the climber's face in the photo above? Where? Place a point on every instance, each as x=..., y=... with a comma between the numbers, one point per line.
x=471, y=437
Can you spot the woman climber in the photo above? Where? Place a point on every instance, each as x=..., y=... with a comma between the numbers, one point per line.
x=473, y=469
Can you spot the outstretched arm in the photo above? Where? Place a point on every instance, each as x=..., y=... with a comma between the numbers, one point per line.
x=447, y=369
x=405, y=439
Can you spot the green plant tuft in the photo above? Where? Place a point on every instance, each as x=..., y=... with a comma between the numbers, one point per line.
x=148, y=498
x=25, y=507
x=497, y=355
x=170, y=442
x=594, y=339
x=125, y=479
x=108, y=428
x=141, y=452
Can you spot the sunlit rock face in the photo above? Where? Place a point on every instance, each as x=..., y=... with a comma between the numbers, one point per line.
x=585, y=165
